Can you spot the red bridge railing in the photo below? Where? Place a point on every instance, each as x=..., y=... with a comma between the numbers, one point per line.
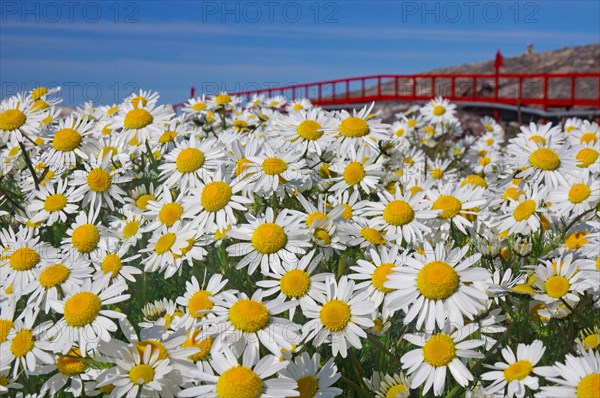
x=545, y=90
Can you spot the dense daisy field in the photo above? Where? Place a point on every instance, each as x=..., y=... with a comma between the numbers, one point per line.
x=274, y=249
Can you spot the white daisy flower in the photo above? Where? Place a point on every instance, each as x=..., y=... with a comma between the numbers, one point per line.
x=18, y=120
x=523, y=215
x=578, y=376
x=62, y=275
x=272, y=240
x=459, y=206
x=511, y=377
x=140, y=122
x=401, y=214
x=164, y=211
x=20, y=254
x=295, y=282
x=357, y=173
x=439, y=353
x=199, y=300
x=191, y=162
x=71, y=369
x=215, y=201
x=311, y=380
x=84, y=320
x=358, y=129
x=140, y=372
x=560, y=279
x=250, y=378
x=52, y=203
x=340, y=318
x=575, y=198
x=384, y=385
x=84, y=235
x=439, y=110
x=98, y=182
x=438, y=286
x=24, y=346
x=310, y=130
x=550, y=163
x=273, y=169
x=112, y=259
x=372, y=275
x=166, y=246
x=252, y=322
x=71, y=139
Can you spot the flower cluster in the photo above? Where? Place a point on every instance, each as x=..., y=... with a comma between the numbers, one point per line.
x=239, y=249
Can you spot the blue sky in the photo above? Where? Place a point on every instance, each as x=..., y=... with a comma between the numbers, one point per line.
x=101, y=50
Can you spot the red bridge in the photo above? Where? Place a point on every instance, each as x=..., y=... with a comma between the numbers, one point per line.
x=565, y=93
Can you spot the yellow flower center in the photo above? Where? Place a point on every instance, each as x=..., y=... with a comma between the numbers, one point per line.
x=295, y=283
x=167, y=136
x=215, y=196
x=511, y=193
x=449, y=205
x=474, y=180
x=400, y=132
x=372, y=236
x=69, y=366
x=589, y=386
x=139, y=100
x=39, y=105
x=189, y=160
x=576, y=240
x=241, y=165
x=99, y=180
x=22, y=343
x=82, y=309
x=523, y=288
x=199, y=301
x=439, y=350
x=557, y=286
x=111, y=264
x=398, y=212
x=354, y=173
x=24, y=259
x=142, y=201
x=269, y=238
x=170, y=213
x=204, y=345
x=109, y=150
x=380, y=276
x=66, y=140
x=12, y=119
x=544, y=159
x=239, y=382
x=307, y=386
x=586, y=157
x=318, y=216
x=222, y=99
x=249, y=316
x=588, y=138
x=199, y=106
x=309, y=130
x=518, y=370
x=322, y=236
x=141, y=374
x=6, y=326
x=437, y=173
x=107, y=389
x=38, y=93
x=335, y=315
x=354, y=127
x=347, y=212
x=274, y=166
x=137, y=119
x=437, y=280
x=85, y=238
x=524, y=210
x=131, y=228
x=578, y=193
x=165, y=242
x=396, y=391
x=439, y=110
x=538, y=139
x=591, y=341
x=153, y=345
x=53, y=275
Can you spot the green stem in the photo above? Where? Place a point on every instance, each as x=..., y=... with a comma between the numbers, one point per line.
x=577, y=313
x=29, y=165
x=382, y=348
